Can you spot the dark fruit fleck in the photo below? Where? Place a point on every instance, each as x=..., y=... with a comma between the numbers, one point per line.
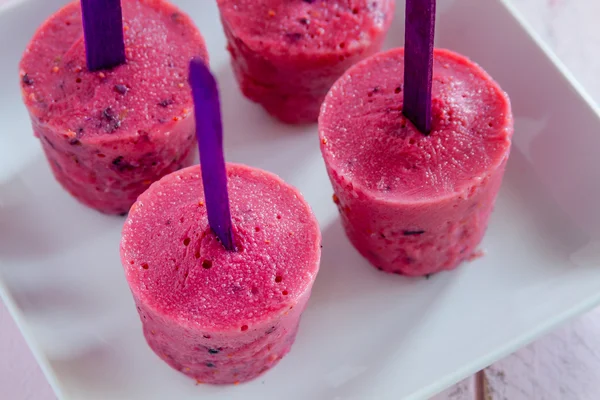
x=398, y=90
x=294, y=37
x=309, y=1
x=270, y=330
x=27, y=80
x=49, y=142
x=113, y=121
x=213, y=351
x=108, y=114
x=166, y=102
x=206, y=336
x=74, y=142
x=118, y=160
x=210, y=365
x=207, y=264
x=121, y=165
x=122, y=89
x=304, y=21
x=412, y=233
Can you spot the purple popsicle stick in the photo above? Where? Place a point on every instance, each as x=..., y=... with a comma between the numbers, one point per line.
x=209, y=131
x=103, y=33
x=418, y=62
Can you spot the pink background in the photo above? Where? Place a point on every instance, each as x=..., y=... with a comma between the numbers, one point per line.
x=20, y=376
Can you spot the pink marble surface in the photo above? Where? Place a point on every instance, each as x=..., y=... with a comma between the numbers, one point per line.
x=20, y=376
x=567, y=25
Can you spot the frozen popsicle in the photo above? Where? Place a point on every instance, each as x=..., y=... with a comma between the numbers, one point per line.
x=220, y=260
x=221, y=316
x=412, y=203
x=286, y=54
x=109, y=134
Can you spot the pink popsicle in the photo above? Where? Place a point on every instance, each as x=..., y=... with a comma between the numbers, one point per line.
x=410, y=203
x=287, y=54
x=215, y=315
x=109, y=134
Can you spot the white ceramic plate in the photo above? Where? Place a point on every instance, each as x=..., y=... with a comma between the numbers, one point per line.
x=365, y=335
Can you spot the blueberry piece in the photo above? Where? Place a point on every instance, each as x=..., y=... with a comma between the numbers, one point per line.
x=113, y=121
x=413, y=233
x=122, y=89
x=108, y=114
x=210, y=365
x=49, y=142
x=294, y=37
x=213, y=351
x=121, y=165
x=117, y=161
x=27, y=80
x=166, y=103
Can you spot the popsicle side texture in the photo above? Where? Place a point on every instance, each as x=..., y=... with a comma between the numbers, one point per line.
x=287, y=54
x=218, y=316
x=411, y=203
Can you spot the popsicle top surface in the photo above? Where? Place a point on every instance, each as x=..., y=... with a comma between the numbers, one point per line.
x=176, y=265
x=307, y=26
x=371, y=144
x=149, y=90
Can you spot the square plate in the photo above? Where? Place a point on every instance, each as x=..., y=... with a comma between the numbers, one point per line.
x=63, y=281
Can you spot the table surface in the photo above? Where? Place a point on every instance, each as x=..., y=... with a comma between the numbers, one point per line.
x=562, y=365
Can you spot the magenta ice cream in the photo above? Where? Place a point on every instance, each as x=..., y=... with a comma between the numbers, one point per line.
x=219, y=316
x=414, y=204
x=108, y=135
x=286, y=54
